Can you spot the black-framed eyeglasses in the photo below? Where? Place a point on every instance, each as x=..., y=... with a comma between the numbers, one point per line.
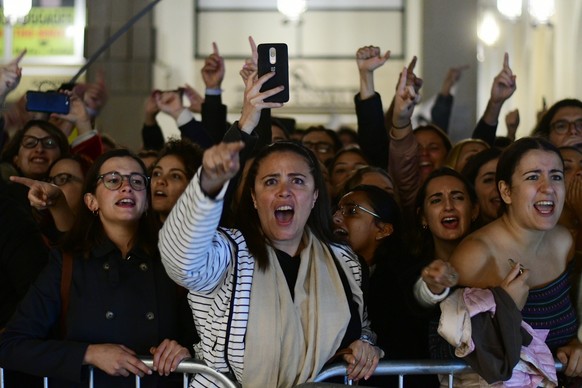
x=563, y=126
x=350, y=210
x=113, y=180
x=321, y=147
x=47, y=142
x=63, y=178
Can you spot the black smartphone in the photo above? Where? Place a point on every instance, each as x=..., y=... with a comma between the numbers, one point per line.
x=273, y=57
x=48, y=102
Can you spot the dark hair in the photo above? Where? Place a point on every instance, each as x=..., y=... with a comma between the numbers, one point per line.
x=88, y=230
x=337, y=144
x=352, y=148
x=189, y=153
x=356, y=178
x=473, y=165
x=424, y=244
x=442, y=134
x=512, y=155
x=319, y=221
x=148, y=154
x=542, y=129
x=384, y=205
x=349, y=132
x=455, y=152
x=13, y=146
x=83, y=161
x=279, y=124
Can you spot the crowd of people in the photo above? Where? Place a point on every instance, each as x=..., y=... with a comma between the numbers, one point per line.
x=269, y=252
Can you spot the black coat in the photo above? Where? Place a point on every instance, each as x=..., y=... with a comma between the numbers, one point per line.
x=112, y=300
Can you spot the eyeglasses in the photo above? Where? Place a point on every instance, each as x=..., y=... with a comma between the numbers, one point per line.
x=563, y=126
x=63, y=178
x=31, y=142
x=113, y=180
x=351, y=210
x=320, y=147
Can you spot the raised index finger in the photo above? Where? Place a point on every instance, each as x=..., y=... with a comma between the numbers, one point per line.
x=412, y=64
x=23, y=181
x=215, y=48
x=506, y=61
x=255, y=54
x=17, y=60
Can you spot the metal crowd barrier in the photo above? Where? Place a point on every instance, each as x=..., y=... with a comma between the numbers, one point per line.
x=402, y=368
x=186, y=367
x=385, y=368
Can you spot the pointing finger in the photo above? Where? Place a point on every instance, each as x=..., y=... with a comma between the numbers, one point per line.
x=17, y=60
x=215, y=48
x=412, y=65
x=506, y=61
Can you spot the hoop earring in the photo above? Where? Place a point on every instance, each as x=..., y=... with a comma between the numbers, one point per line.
x=95, y=212
x=424, y=226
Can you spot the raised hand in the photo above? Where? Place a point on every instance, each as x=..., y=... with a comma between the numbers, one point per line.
x=170, y=102
x=95, y=95
x=167, y=356
x=452, y=77
x=196, y=100
x=151, y=109
x=213, y=69
x=411, y=77
x=115, y=360
x=512, y=122
x=77, y=117
x=504, y=83
x=219, y=163
x=254, y=101
x=369, y=58
x=250, y=65
x=10, y=75
x=405, y=99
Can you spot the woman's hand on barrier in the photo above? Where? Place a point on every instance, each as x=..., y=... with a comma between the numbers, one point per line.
x=363, y=360
x=115, y=360
x=167, y=356
x=571, y=356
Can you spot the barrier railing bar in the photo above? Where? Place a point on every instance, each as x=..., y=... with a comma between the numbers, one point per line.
x=400, y=368
x=410, y=367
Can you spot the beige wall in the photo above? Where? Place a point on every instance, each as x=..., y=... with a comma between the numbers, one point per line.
x=545, y=59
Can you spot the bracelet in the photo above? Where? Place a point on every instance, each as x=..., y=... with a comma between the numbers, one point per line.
x=367, y=339
x=404, y=126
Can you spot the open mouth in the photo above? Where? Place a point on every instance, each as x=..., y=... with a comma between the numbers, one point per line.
x=159, y=193
x=341, y=233
x=125, y=202
x=450, y=222
x=544, y=207
x=284, y=214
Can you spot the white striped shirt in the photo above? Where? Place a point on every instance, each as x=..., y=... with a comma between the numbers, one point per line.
x=200, y=256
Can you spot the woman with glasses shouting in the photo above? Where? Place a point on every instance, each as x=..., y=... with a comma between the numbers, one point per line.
x=107, y=296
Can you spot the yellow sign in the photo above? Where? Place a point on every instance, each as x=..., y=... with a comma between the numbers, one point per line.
x=45, y=32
